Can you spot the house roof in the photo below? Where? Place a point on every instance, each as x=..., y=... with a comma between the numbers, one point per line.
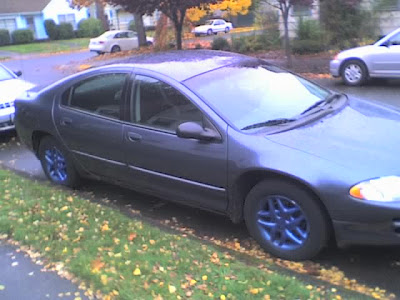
x=22, y=6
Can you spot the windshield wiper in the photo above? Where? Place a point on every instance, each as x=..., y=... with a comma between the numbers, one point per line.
x=325, y=101
x=269, y=123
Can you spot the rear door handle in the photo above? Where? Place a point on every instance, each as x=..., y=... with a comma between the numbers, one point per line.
x=65, y=121
x=134, y=137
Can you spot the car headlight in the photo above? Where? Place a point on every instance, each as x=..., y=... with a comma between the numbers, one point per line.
x=384, y=189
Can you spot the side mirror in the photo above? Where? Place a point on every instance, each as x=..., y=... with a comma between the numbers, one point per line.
x=18, y=73
x=193, y=130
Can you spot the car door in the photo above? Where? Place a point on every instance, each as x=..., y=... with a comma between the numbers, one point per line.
x=132, y=40
x=186, y=170
x=386, y=59
x=88, y=120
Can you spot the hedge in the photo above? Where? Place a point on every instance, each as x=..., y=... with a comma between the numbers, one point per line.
x=4, y=37
x=52, y=29
x=22, y=36
x=90, y=28
x=65, y=31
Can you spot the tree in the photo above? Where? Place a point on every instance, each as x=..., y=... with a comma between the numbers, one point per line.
x=345, y=21
x=285, y=7
x=175, y=10
x=99, y=6
x=230, y=7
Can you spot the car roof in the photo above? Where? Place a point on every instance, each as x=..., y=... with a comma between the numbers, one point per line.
x=185, y=64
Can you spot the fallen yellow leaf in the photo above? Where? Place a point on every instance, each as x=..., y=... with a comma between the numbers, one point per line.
x=137, y=272
x=104, y=279
x=172, y=289
x=254, y=291
x=204, y=277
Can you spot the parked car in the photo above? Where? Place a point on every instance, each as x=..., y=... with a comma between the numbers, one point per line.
x=213, y=27
x=116, y=41
x=229, y=133
x=10, y=87
x=380, y=60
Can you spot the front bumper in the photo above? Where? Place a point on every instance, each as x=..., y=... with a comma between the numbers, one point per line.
x=334, y=68
x=7, y=119
x=370, y=224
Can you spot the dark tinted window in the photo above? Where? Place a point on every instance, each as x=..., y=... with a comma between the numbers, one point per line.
x=157, y=104
x=101, y=95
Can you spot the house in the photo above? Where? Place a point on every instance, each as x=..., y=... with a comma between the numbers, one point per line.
x=31, y=14
x=119, y=19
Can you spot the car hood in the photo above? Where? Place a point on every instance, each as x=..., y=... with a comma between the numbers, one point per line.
x=362, y=135
x=359, y=51
x=11, y=89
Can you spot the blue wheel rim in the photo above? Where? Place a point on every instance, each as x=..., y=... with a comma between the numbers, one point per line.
x=56, y=165
x=282, y=223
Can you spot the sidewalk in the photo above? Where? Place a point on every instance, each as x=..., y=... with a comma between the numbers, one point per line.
x=22, y=279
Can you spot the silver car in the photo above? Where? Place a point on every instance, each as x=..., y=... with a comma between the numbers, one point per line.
x=380, y=60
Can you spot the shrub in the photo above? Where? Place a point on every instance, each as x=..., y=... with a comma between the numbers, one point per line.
x=4, y=37
x=309, y=30
x=66, y=31
x=52, y=30
x=220, y=43
x=90, y=28
x=307, y=46
x=267, y=40
x=132, y=25
x=22, y=36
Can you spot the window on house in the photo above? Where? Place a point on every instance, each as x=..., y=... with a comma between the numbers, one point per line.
x=69, y=18
x=301, y=10
x=8, y=24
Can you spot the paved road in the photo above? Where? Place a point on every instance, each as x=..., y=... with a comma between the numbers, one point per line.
x=375, y=266
x=20, y=279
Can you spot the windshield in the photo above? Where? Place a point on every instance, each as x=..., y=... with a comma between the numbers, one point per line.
x=5, y=75
x=249, y=95
x=210, y=22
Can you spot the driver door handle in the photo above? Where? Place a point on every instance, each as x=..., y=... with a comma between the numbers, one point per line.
x=66, y=121
x=134, y=137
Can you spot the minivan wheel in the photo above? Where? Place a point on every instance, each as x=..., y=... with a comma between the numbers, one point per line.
x=354, y=73
x=56, y=163
x=286, y=220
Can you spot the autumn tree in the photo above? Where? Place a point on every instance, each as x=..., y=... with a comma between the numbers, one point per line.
x=175, y=10
x=229, y=7
x=285, y=6
x=99, y=6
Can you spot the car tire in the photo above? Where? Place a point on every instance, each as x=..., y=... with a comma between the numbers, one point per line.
x=286, y=220
x=115, y=49
x=209, y=32
x=197, y=34
x=227, y=30
x=354, y=73
x=57, y=163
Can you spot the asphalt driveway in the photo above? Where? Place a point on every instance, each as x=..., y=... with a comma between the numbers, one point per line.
x=374, y=266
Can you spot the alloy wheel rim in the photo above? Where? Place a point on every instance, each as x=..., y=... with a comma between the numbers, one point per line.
x=282, y=223
x=56, y=165
x=353, y=73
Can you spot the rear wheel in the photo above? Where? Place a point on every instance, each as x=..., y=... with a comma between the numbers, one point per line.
x=354, y=73
x=286, y=220
x=115, y=49
x=56, y=163
x=227, y=30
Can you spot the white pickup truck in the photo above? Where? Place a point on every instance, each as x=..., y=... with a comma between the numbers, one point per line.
x=213, y=27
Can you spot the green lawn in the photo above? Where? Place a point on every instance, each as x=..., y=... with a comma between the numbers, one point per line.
x=126, y=258
x=48, y=47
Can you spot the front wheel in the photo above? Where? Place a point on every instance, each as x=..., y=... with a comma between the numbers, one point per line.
x=354, y=73
x=227, y=30
x=286, y=220
x=115, y=49
x=209, y=32
x=56, y=163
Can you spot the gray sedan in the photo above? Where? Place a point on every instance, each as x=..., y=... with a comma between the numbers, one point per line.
x=380, y=60
x=231, y=134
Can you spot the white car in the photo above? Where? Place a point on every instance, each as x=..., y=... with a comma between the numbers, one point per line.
x=116, y=41
x=213, y=27
x=380, y=60
x=10, y=88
